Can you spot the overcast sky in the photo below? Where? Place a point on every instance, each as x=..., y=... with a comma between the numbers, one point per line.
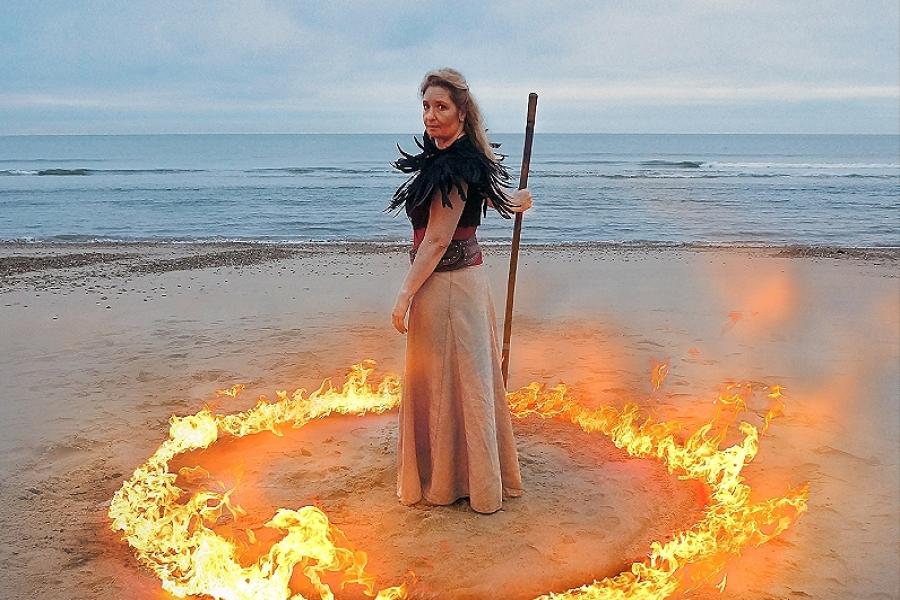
x=626, y=66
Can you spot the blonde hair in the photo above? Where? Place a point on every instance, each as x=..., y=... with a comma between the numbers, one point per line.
x=454, y=82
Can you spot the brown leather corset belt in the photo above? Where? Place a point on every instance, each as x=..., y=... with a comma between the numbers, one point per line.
x=459, y=254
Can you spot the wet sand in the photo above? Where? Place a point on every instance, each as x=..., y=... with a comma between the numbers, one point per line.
x=102, y=343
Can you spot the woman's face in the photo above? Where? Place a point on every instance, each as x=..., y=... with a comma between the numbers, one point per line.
x=443, y=119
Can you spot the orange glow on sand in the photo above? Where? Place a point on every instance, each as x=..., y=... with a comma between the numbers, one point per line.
x=757, y=302
x=197, y=540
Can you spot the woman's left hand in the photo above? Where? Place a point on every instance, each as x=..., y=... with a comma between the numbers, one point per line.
x=522, y=200
x=398, y=315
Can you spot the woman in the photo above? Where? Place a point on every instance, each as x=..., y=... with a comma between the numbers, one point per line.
x=456, y=437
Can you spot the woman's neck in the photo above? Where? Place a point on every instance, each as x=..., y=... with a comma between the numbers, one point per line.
x=442, y=143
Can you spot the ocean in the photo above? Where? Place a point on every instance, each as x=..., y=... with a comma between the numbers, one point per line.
x=724, y=189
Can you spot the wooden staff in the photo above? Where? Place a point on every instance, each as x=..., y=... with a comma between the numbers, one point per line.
x=517, y=231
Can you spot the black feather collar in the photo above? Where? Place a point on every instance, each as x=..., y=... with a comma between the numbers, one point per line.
x=460, y=166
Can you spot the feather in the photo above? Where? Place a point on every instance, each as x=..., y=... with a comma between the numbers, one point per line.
x=461, y=167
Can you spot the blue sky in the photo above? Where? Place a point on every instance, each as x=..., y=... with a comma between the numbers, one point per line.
x=267, y=66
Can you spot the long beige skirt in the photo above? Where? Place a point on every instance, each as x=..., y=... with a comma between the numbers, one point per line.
x=456, y=436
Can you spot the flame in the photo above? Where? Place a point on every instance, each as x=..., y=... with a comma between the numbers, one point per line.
x=658, y=373
x=173, y=536
x=730, y=523
x=231, y=392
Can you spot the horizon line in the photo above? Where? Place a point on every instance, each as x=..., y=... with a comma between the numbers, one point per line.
x=160, y=133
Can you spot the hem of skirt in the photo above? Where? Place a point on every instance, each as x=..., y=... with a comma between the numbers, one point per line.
x=449, y=502
x=507, y=493
x=512, y=493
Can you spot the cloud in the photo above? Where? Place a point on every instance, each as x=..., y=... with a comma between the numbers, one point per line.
x=695, y=93
x=355, y=97
x=366, y=59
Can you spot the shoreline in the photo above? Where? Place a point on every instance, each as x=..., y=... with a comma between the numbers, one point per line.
x=19, y=259
x=378, y=244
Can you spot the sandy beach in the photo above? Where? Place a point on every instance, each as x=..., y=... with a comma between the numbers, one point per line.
x=101, y=344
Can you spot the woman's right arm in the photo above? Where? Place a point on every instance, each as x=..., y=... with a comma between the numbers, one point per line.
x=442, y=222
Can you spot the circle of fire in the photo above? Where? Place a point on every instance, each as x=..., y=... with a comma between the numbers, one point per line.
x=172, y=536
